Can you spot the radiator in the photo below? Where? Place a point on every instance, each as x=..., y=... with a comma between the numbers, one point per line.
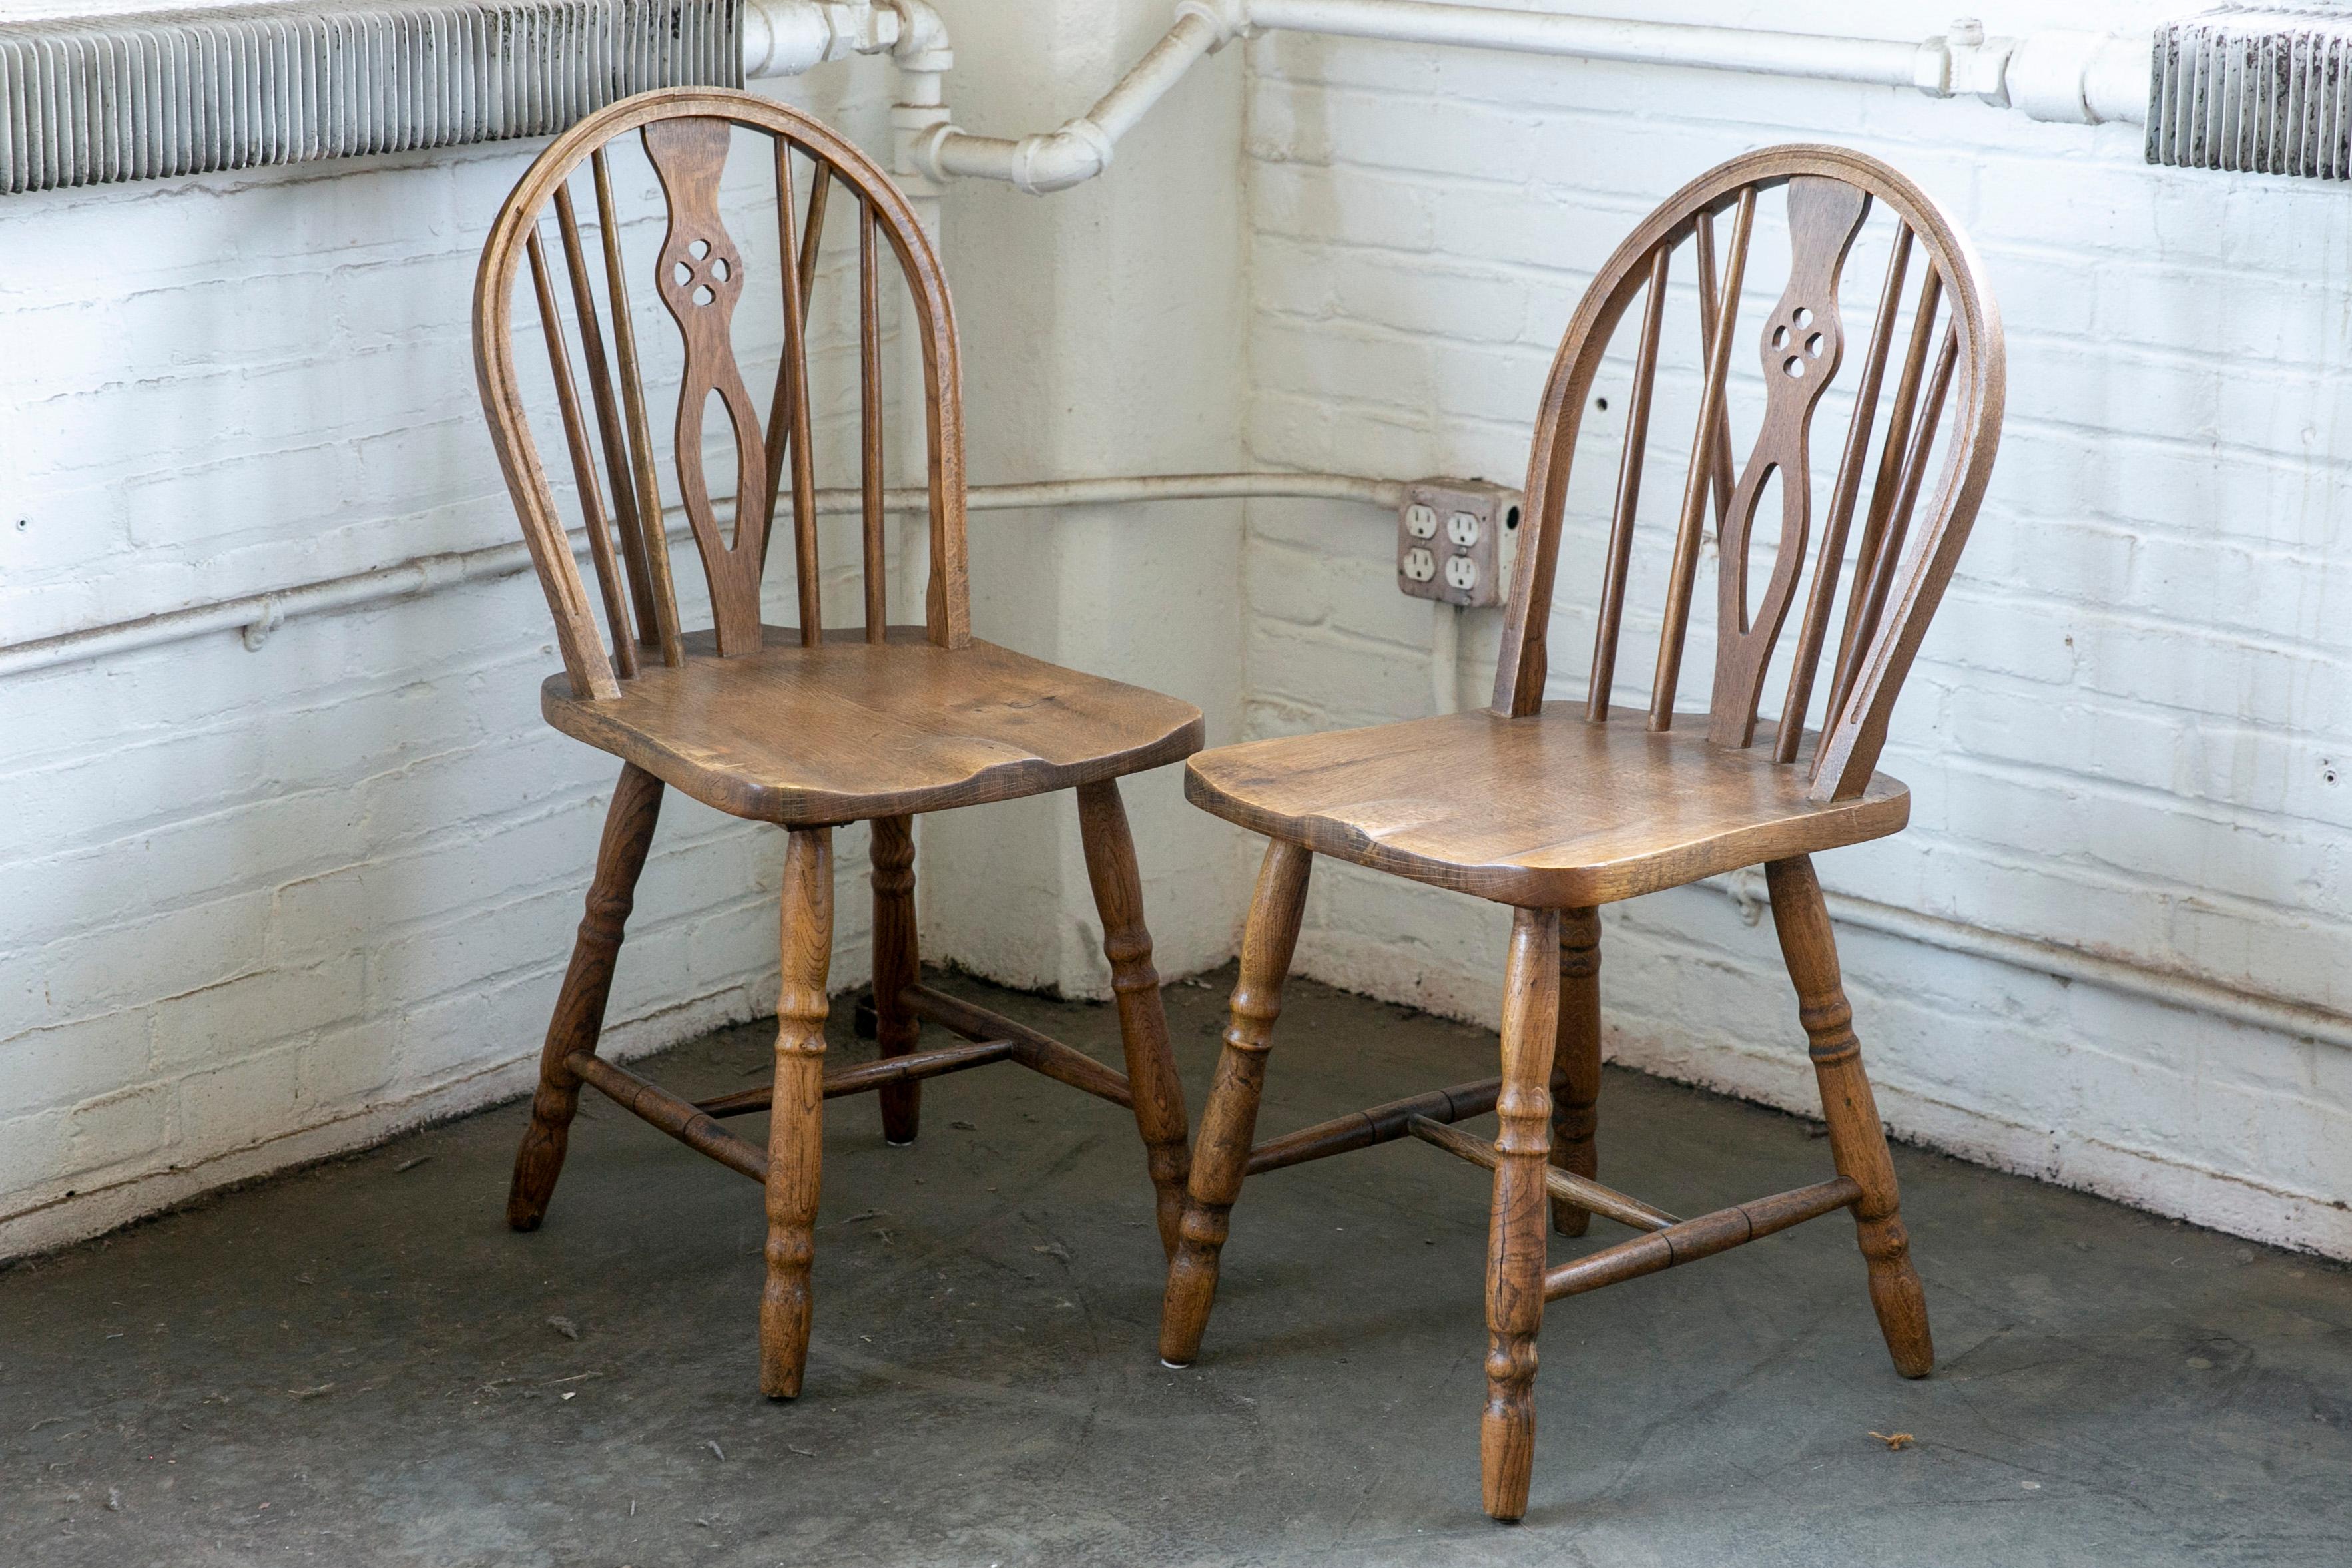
x=2264, y=89
x=138, y=97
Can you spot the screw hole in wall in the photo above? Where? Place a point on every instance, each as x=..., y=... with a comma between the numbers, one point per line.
x=1601, y=403
x=1511, y=521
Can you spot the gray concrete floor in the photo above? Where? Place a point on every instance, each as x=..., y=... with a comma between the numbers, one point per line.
x=359, y=1365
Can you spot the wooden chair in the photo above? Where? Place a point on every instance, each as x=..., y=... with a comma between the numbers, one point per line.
x=807, y=727
x=1556, y=808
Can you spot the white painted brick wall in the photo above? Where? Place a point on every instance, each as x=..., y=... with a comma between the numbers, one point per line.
x=255, y=906
x=2126, y=730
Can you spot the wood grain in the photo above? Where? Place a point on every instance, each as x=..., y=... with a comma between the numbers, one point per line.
x=1576, y=1063
x=850, y=729
x=1857, y=1140
x=1229, y=1120
x=579, y=1016
x=796, y=1113
x=897, y=966
x=1549, y=810
x=1142, y=1020
x=1515, y=1220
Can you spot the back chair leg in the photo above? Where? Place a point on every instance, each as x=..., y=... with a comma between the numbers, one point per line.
x=1514, y=1235
x=1575, y=1062
x=897, y=966
x=1857, y=1140
x=1229, y=1120
x=1142, y=1020
x=579, y=1016
x=796, y=1117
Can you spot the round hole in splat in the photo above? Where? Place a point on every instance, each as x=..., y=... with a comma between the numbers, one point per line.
x=702, y=295
x=1815, y=344
x=718, y=271
x=701, y=248
x=681, y=275
x=1803, y=316
x=1794, y=365
x=1780, y=337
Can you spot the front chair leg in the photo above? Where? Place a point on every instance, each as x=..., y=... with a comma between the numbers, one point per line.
x=1229, y=1120
x=1575, y=1062
x=1857, y=1140
x=1514, y=1232
x=579, y=1016
x=796, y=1119
x=1142, y=1021
x=897, y=966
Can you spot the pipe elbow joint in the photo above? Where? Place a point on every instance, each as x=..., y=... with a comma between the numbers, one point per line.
x=1072, y=155
x=1228, y=18
x=922, y=44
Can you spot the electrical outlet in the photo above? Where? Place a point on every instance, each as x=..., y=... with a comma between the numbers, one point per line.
x=1456, y=539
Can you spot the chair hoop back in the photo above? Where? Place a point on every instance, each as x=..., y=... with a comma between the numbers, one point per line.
x=700, y=275
x=1948, y=379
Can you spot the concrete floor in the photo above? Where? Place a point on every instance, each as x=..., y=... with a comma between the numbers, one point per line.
x=359, y=1364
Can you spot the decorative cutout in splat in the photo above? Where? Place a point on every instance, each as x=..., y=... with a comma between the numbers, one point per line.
x=1802, y=343
x=700, y=277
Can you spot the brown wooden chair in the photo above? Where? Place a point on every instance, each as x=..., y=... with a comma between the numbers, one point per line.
x=1556, y=808
x=803, y=727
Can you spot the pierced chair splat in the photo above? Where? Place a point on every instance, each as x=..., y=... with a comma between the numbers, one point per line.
x=1556, y=807
x=806, y=727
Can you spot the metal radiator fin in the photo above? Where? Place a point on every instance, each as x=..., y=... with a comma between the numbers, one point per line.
x=2262, y=88
x=86, y=101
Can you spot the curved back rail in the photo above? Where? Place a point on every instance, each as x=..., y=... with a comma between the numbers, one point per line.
x=1948, y=382
x=700, y=275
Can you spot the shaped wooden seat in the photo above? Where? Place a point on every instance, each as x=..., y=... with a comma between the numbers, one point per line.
x=799, y=725
x=1549, y=811
x=1556, y=808
x=848, y=729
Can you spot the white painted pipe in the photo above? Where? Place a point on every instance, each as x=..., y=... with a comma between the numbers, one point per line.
x=1080, y=149
x=1888, y=63
x=2165, y=987
x=257, y=614
x=2060, y=75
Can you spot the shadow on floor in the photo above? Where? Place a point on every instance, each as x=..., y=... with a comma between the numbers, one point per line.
x=359, y=1364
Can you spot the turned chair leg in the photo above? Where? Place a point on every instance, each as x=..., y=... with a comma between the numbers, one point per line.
x=579, y=1016
x=1229, y=1120
x=1575, y=1062
x=796, y=1118
x=897, y=966
x=1857, y=1140
x=1515, y=1234
x=1142, y=1021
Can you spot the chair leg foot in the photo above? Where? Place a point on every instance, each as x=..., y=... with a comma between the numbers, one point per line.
x=1229, y=1120
x=1857, y=1138
x=1142, y=1020
x=1575, y=1062
x=579, y=1016
x=897, y=966
x=796, y=1119
x=1514, y=1244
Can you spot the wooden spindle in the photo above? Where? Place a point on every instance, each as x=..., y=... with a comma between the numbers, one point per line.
x=608, y=421
x=1629, y=493
x=1882, y=489
x=1877, y=576
x=584, y=461
x=794, y=372
x=1684, y=574
x=779, y=404
x=641, y=436
x=1824, y=594
x=1721, y=463
x=869, y=395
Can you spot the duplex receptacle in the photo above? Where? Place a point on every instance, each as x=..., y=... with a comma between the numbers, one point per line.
x=1456, y=541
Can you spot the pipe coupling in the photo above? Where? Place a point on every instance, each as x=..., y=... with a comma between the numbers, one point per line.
x=1228, y=18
